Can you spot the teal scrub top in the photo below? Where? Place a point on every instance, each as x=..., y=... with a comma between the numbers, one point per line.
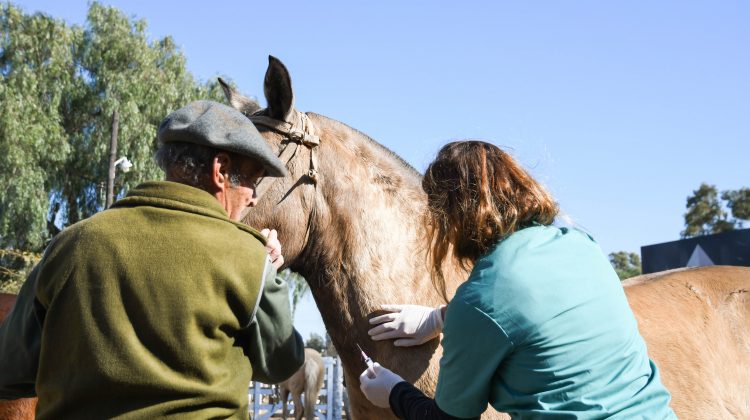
x=542, y=328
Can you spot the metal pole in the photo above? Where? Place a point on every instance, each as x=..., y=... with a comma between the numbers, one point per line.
x=256, y=399
x=330, y=386
x=112, y=158
x=337, y=385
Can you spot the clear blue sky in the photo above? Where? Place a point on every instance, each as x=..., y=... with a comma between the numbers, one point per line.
x=620, y=108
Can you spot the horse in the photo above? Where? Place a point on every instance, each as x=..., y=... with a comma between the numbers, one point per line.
x=696, y=323
x=308, y=379
x=23, y=408
x=350, y=215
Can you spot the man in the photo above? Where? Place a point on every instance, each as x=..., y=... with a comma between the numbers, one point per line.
x=164, y=305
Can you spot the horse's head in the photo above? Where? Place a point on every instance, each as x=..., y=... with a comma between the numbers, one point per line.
x=285, y=204
x=345, y=199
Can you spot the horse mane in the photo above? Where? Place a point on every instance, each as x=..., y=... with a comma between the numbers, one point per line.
x=406, y=165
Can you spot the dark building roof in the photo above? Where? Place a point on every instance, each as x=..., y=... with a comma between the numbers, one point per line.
x=728, y=248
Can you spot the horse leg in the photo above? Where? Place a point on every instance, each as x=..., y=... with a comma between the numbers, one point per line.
x=299, y=409
x=310, y=405
x=284, y=395
x=314, y=375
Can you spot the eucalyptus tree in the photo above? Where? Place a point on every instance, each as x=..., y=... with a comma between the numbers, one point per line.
x=626, y=264
x=298, y=287
x=708, y=212
x=60, y=87
x=141, y=80
x=37, y=67
x=738, y=202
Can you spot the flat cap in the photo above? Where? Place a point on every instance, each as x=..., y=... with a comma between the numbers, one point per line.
x=222, y=127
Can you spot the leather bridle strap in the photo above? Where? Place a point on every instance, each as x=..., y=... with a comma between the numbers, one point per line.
x=302, y=133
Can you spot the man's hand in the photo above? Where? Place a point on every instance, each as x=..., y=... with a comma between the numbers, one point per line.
x=412, y=325
x=376, y=383
x=273, y=246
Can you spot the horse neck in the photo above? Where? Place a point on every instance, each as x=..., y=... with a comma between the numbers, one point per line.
x=366, y=246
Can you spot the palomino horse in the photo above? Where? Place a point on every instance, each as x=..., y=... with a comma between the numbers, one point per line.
x=23, y=408
x=696, y=323
x=350, y=217
x=308, y=380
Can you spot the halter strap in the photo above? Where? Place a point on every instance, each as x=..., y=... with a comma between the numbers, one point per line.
x=302, y=131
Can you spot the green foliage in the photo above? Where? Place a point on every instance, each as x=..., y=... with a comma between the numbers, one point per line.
x=626, y=264
x=35, y=62
x=738, y=202
x=60, y=87
x=706, y=213
x=297, y=287
x=316, y=342
x=15, y=266
x=325, y=347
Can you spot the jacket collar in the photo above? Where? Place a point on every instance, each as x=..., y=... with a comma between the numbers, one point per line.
x=177, y=196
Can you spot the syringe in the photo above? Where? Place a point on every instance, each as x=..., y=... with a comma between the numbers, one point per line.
x=365, y=357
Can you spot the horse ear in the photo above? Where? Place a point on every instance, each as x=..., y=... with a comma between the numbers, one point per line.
x=239, y=102
x=277, y=87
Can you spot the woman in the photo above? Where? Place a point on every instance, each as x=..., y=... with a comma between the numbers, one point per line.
x=541, y=328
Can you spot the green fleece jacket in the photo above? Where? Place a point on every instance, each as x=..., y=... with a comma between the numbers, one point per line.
x=159, y=307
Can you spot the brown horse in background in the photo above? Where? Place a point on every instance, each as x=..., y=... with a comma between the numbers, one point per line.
x=23, y=408
x=350, y=218
x=308, y=380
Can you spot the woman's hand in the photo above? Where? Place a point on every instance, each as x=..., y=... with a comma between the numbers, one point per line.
x=273, y=246
x=376, y=383
x=411, y=325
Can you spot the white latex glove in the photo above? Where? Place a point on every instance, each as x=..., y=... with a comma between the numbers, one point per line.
x=412, y=325
x=376, y=383
x=273, y=246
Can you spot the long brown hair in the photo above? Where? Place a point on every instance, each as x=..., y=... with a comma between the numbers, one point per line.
x=476, y=196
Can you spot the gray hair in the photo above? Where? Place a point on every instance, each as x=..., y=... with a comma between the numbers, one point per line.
x=190, y=163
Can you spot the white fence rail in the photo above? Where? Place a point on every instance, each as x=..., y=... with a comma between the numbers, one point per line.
x=332, y=402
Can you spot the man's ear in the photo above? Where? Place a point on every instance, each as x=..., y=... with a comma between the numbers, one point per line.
x=220, y=166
